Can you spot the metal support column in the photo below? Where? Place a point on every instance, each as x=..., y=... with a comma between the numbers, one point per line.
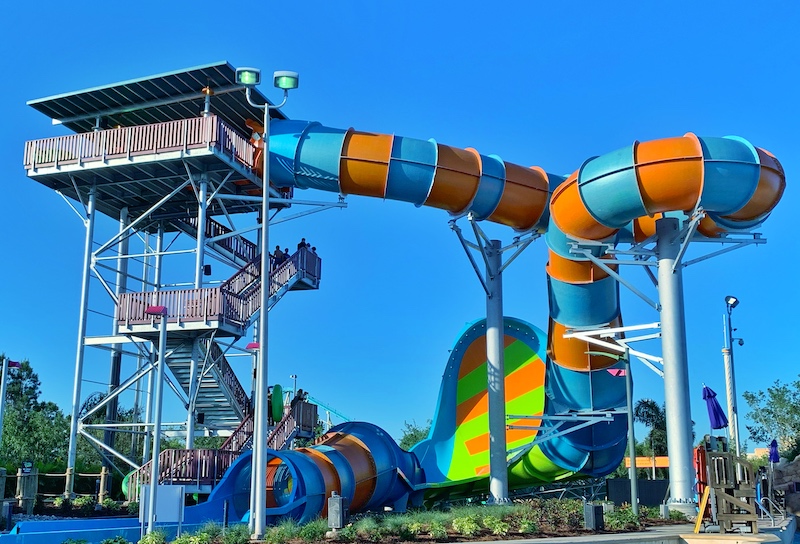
x=193, y=385
x=676, y=365
x=730, y=392
x=157, y=269
x=495, y=368
x=631, y=437
x=261, y=418
x=112, y=408
x=154, y=468
x=82, y=313
x=3, y=389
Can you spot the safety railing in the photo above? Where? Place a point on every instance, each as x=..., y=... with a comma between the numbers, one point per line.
x=128, y=142
x=234, y=302
x=228, y=378
x=183, y=467
x=241, y=437
x=237, y=245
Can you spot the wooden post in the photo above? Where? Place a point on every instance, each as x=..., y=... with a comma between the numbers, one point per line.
x=103, y=485
x=27, y=487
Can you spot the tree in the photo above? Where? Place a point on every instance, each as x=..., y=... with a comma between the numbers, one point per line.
x=776, y=414
x=413, y=434
x=654, y=417
x=32, y=430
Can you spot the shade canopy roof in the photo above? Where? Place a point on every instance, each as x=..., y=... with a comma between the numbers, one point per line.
x=154, y=99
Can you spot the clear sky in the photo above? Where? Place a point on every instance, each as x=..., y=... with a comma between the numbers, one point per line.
x=538, y=83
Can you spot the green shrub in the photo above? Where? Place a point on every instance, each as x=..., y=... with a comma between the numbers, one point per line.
x=399, y=525
x=496, y=525
x=212, y=529
x=621, y=519
x=110, y=504
x=115, y=540
x=133, y=508
x=527, y=526
x=437, y=530
x=466, y=525
x=285, y=531
x=64, y=505
x=156, y=537
x=368, y=529
x=677, y=515
x=347, y=533
x=314, y=530
x=198, y=538
x=237, y=534
x=75, y=541
x=85, y=504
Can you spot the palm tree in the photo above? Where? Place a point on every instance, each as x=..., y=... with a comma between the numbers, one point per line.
x=654, y=417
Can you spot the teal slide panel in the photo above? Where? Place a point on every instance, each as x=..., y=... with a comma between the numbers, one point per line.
x=553, y=181
x=574, y=390
x=563, y=453
x=284, y=138
x=609, y=188
x=731, y=169
x=411, y=170
x=583, y=305
x=490, y=189
x=598, y=436
x=312, y=152
x=560, y=244
x=603, y=462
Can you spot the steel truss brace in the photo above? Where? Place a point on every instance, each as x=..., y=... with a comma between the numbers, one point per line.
x=587, y=419
x=621, y=344
x=519, y=244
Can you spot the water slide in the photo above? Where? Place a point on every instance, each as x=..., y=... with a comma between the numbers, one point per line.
x=609, y=198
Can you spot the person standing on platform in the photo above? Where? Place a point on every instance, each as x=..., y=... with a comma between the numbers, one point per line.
x=301, y=244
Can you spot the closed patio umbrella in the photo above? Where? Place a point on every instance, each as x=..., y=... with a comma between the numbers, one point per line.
x=716, y=415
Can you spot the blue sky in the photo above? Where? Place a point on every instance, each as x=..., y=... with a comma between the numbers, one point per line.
x=548, y=84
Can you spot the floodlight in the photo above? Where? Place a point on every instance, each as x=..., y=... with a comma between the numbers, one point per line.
x=252, y=346
x=284, y=79
x=731, y=301
x=249, y=77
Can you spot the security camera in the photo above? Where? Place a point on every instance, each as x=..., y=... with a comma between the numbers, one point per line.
x=741, y=341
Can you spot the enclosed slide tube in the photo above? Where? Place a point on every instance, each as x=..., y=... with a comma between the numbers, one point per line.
x=736, y=184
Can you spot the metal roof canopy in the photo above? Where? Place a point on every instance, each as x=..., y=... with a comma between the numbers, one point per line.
x=154, y=99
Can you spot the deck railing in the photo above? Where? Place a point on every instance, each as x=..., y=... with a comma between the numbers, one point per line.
x=234, y=301
x=228, y=377
x=241, y=437
x=238, y=245
x=187, y=467
x=128, y=142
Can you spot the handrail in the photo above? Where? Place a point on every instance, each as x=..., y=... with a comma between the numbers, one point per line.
x=241, y=436
x=128, y=142
x=179, y=466
x=228, y=378
x=237, y=245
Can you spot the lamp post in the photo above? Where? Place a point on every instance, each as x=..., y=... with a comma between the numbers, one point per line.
x=731, y=302
x=154, y=468
x=250, y=78
x=294, y=384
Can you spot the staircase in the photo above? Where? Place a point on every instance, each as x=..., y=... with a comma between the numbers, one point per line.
x=236, y=248
x=220, y=397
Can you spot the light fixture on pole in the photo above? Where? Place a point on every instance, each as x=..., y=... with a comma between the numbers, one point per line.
x=285, y=80
x=294, y=384
x=731, y=302
x=154, y=468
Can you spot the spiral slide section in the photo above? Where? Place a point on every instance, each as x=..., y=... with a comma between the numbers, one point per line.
x=736, y=184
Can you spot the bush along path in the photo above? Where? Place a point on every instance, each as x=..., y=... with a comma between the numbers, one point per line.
x=532, y=518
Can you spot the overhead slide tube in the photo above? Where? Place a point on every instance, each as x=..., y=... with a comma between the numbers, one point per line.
x=737, y=184
x=424, y=173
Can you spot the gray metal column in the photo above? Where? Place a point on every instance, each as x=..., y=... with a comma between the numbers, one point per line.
x=112, y=408
x=730, y=392
x=82, y=311
x=137, y=390
x=261, y=417
x=676, y=364
x=631, y=436
x=202, y=209
x=157, y=269
x=190, y=418
x=495, y=368
x=154, y=468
